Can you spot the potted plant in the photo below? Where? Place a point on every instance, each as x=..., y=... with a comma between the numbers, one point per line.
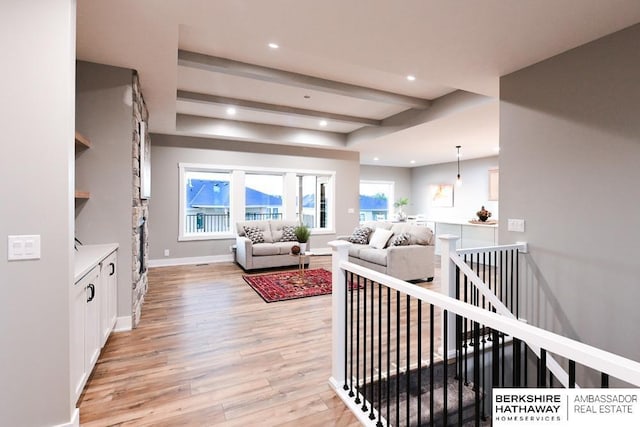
x=400, y=215
x=302, y=233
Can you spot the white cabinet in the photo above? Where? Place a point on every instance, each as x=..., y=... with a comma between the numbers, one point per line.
x=92, y=310
x=108, y=296
x=471, y=235
x=92, y=320
x=77, y=344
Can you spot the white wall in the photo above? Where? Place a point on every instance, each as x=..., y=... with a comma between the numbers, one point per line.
x=36, y=172
x=570, y=149
x=467, y=199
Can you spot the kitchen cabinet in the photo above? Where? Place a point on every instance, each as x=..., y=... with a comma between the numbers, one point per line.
x=92, y=309
x=108, y=296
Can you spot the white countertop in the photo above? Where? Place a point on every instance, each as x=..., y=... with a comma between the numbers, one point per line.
x=88, y=256
x=458, y=222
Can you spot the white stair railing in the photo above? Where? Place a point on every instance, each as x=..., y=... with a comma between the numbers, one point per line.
x=450, y=256
x=599, y=360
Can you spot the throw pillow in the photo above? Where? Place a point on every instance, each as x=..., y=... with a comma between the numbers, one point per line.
x=401, y=239
x=254, y=234
x=288, y=234
x=380, y=238
x=360, y=235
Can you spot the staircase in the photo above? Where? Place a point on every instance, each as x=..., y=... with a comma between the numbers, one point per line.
x=398, y=398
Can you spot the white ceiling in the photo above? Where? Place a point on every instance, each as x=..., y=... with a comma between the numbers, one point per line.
x=449, y=46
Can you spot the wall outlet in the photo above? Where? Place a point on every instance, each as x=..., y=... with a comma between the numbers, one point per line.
x=166, y=252
x=516, y=225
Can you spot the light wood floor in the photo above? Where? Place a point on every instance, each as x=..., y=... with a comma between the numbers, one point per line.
x=209, y=351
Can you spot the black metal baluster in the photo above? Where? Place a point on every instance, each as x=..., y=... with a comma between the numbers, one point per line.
x=364, y=346
x=526, y=365
x=572, y=374
x=495, y=359
x=398, y=330
x=358, y=344
x=419, y=361
x=512, y=281
x=517, y=284
x=476, y=371
x=542, y=366
x=351, y=394
x=445, y=331
x=516, y=362
x=465, y=345
x=458, y=331
x=408, y=338
x=373, y=341
x=604, y=381
x=388, y=355
x=431, y=367
x=346, y=330
x=379, y=423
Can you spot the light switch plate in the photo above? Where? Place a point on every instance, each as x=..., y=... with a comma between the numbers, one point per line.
x=20, y=247
x=516, y=225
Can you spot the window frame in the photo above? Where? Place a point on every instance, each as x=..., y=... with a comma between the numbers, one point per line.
x=237, y=196
x=390, y=199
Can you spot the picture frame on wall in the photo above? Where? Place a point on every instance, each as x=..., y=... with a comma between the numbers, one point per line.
x=145, y=162
x=441, y=195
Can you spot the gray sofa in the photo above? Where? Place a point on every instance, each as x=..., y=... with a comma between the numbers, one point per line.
x=273, y=251
x=413, y=259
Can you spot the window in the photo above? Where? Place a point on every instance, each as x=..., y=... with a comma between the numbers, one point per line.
x=213, y=198
x=263, y=196
x=207, y=202
x=315, y=192
x=376, y=200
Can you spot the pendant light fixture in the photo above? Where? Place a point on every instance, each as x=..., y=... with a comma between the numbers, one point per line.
x=458, y=180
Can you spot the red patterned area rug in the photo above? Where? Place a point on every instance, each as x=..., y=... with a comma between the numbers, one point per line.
x=286, y=285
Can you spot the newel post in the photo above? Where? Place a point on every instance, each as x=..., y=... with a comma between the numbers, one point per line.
x=339, y=253
x=448, y=283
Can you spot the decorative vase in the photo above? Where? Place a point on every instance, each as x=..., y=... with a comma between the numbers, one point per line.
x=295, y=249
x=483, y=214
x=303, y=247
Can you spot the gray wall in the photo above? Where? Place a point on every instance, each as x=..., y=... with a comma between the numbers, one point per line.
x=167, y=151
x=36, y=157
x=570, y=150
x=104, y=114
x=400, y=176
x=467, y=199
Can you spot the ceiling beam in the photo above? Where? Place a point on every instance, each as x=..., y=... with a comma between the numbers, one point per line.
x=258, y=72
x=186, y=96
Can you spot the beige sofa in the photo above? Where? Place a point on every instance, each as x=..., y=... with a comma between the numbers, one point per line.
x=273, y=251
x=413, y=260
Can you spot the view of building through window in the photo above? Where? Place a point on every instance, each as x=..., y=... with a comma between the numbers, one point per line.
x=263, y=196
x=208, y=207
x=376, y=200
x=207, y=202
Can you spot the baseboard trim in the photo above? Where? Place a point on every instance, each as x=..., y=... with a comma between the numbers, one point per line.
x=169, y=262
x=123, y=324
x=74, y=421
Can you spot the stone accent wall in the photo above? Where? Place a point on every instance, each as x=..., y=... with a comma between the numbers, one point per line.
x=140, y=207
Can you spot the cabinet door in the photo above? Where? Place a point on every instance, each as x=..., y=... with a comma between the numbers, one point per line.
x=92, y=319
x=77, y=346
x=108, y=288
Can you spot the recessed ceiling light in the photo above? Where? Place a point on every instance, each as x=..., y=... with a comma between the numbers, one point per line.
x=412, y=162
x=274, y=45
x=411, y=77
x=323, y=123
x=231, y=111
x=376, y=159
x=307, y=97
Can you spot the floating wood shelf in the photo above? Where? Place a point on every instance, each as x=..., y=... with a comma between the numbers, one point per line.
x=82, y=194
x=82, y=141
